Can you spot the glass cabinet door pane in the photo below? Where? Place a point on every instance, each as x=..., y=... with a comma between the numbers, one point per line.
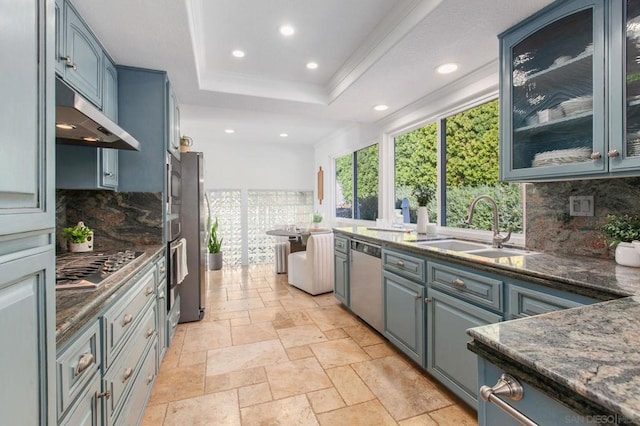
x=633, y=78
x=552, y=93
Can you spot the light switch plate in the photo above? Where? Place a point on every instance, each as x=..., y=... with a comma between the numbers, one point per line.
x=581, y=205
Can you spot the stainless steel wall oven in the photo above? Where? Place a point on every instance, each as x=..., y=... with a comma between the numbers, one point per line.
x=174, y=197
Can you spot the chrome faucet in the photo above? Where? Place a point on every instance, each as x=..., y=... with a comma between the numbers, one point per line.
x=497, y=238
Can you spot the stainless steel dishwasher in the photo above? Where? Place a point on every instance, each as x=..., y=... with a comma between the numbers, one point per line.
x=365, y=282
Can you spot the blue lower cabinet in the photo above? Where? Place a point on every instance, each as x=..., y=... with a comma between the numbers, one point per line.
x=403, y=315
x=535, y=404
x=87, y=411
x=449, y=361
x=341, y=279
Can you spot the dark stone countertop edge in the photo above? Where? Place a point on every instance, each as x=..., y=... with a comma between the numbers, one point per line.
x=564, y=394
x=488, y=265
x=76, y=308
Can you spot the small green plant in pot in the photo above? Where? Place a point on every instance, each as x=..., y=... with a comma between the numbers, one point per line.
x=621, y=230
x=214, y=246
x=79, y=237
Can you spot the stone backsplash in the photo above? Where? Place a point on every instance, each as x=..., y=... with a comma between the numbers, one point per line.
x=550, y=228
x=118, y=219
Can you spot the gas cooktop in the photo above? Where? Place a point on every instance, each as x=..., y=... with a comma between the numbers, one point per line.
x=90, y=269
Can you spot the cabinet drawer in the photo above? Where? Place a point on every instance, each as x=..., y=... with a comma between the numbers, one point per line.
x=76, y=365
x=466, y=285
x=121, y=375
x=525, y=302
x=122, y=317
x=137, y=400
x=405, y=265
x=341, y=244
x=161, y=268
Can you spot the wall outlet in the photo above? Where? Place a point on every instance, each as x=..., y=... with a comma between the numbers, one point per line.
x=581, y=205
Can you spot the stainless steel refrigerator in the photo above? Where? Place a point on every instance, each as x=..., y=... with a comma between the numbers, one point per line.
x=195, y=210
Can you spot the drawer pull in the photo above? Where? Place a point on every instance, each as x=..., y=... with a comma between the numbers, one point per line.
x=127, y=374
x=400, y=263
x=149, y=379
x=127, y=320
x=459, y=283
x=161, y=295
x=162, y=269
x=149, y=291
x=150, y=332
x=84, y=362
x=510, y=388
x=106, y=394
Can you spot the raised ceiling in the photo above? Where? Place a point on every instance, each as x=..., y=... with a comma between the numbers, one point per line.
x=369, y=52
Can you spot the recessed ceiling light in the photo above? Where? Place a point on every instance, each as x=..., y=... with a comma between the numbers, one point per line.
x=381, y=107
x=65, y=126
x=447, y=68
x=229, y=131
x=284, y=135
x=312, y=65
x=287, y=30
x=238, y=53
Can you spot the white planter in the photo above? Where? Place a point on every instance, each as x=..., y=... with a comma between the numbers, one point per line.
x=82, y=247
x=214, y=261
x=423, y=220
x=626, y=255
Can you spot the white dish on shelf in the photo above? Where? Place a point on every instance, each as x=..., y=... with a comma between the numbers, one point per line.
x=577, y=105
x=562, y=156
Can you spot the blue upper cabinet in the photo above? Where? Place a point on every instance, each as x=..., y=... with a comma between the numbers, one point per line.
x=60, y=54
x=624, y=108
x=82, y=57
x=173, y=141
x=552, y=86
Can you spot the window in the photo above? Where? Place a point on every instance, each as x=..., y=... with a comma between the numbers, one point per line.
x=357, y=179
x=472, y=169
x=416, y=166
x=469, y=167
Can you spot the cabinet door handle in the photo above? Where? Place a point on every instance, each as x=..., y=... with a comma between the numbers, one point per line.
x=400, y=263
x=68, y=62
x=150, y=332
x=510, y=388
x=613, y=153
x=108, y=174
x=127, y=319
x=106, y=394
x=459, y=283
x=84, y=362
x=427, y=300
x=148, y=291
x=127, y=374
x=161, y=295
x=162, y=269
x=149, y=379
x=596, y=156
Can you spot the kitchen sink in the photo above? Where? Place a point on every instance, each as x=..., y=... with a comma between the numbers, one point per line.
x=476, y=249
x=498, y=253
x=453, y=245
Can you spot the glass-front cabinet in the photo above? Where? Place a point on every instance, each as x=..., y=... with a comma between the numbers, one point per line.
x=625, y=86
x=570, y=92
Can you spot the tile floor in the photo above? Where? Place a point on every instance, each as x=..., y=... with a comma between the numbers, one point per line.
x=267, y=353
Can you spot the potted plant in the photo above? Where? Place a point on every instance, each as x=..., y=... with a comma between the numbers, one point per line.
x=424, y=194
x=79, y=237
x=214, y=246
x=621, y=230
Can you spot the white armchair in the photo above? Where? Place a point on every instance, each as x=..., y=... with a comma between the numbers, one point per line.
x=312, y=270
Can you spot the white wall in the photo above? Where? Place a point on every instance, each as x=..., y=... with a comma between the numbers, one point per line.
x=241, y=165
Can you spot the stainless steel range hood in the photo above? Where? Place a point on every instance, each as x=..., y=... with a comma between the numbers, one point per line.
x=78, y=122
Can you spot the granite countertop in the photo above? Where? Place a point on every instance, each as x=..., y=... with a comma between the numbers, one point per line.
x=74, y=308
x=598, y=278
x=587, y=357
